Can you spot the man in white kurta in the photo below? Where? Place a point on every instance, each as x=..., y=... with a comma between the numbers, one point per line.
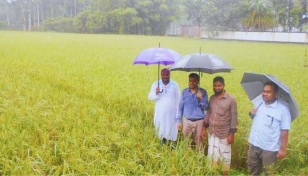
x=166, y=93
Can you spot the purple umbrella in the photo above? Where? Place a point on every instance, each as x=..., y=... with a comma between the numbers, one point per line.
x=157, y=56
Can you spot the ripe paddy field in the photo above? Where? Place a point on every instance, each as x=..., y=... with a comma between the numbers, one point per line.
x=75, y=104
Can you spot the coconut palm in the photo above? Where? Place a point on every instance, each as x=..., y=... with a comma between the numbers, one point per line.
x=260, y=16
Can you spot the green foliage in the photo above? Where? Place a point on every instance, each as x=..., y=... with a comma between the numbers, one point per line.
x=73, y=104
x=153, y=17
x=294, y=15
x=60, y=24
x=254, y=15
x=215, y=15
x=289, y=13
x=2, y=24
x=129, y=20
x=93, y=16
x=122, y=20
x=90, y=22
x=305, y=27
x=196, y=11
x=260, y=18
x=156, y=15
x=136, y=17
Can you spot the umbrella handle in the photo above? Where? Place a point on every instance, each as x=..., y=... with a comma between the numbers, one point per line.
x=158, y=77
x=158, y=86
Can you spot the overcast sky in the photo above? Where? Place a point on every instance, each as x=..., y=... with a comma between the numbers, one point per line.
x=9, y=1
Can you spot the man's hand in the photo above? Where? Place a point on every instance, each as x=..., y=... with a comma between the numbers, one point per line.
x=199, y=95
x=282, y=153
x=179, y=126
x=157, y=90
x=230, y=139
x=252, y=112
x=203, y=134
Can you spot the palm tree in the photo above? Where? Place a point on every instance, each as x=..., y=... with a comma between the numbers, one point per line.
x=260, y=16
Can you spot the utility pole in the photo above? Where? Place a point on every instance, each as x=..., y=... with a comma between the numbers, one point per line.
x=7, y=15
x=288, y=16
x=38, y=14
x=29, y=21
x=23, y=17
x=75, y=8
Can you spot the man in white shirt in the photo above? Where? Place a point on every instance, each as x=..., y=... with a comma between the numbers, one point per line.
x=166, y=93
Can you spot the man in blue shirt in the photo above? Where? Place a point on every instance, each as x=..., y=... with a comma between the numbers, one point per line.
x=269, y=131
x=192, y=107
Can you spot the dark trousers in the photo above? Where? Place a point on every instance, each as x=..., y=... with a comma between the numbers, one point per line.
x=259, y=159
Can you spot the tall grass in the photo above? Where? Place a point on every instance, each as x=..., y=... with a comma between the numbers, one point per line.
x=75, y=104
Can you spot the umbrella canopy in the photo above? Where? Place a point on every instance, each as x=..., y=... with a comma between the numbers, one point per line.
x=253, y=85
x=200, y=62
x=157, y=56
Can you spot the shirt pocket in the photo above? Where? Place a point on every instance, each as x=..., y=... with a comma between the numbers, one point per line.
x=272, y=120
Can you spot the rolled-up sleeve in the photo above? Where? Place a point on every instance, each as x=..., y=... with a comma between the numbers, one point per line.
x=206, y=121
x=233, y=114
x=204, y=103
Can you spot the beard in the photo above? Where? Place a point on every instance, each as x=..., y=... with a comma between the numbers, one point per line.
x=166, y=81
x=217, y=92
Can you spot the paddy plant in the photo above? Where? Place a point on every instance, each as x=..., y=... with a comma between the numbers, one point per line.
x=75, y=104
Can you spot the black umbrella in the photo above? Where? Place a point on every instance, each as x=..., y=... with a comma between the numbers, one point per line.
x=253, y=85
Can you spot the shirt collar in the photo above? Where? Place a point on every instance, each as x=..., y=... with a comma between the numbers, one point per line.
x=274, y=104
x=224, y=96
x=161, y=83
x=188, y=90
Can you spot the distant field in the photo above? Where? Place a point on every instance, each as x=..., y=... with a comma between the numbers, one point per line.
x=75, y=104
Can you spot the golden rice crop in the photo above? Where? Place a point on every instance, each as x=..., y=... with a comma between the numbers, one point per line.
x=75, y=104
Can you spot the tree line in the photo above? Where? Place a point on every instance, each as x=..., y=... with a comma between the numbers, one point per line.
x=152, y=17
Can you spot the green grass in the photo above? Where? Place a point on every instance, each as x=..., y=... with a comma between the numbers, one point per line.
x=75, y=104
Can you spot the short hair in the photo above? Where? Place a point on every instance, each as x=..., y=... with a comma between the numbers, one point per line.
x=219, y=79
x=194, y=75
x=271, y=83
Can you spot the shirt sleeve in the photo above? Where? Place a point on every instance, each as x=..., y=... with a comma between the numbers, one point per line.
x=204, y=103
x=181, y=108
x=233, y=115
x=177, y=99
x=285, y=119
x=207, y=116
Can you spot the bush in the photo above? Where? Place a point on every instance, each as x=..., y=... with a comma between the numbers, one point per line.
x=61, y=24
x=2, y=25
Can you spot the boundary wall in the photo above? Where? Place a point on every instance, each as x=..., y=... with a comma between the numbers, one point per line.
x=261, y=36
